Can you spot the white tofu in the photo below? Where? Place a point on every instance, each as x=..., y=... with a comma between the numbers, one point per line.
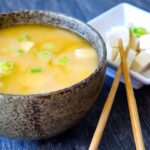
x=111, y=52
x=116, y=33
x=144, y=41
x=147, y=51
x=85, y=53
x=26, y=46
x=146, y=72
x=131, y=55
x=141, y=61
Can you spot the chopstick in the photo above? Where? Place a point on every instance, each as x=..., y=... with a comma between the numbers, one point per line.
x=106, y=110
x=135, y=122
x=138, y=47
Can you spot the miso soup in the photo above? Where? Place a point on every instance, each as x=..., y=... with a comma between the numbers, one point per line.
x=41, y=59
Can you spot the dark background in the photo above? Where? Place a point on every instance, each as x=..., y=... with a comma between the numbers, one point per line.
x=118, y=134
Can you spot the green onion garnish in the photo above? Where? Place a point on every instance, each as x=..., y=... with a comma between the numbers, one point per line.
x=6, y=66
x=20, y=51
x=23, y=38
x=49, y=46
x=138, y=31
x=1, y=76
x=34, y=70
x=20, y=39
x=9, y=49
x=45, y=55
x=63, y=60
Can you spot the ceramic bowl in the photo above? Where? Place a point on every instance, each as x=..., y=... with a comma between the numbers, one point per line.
x=39, y=116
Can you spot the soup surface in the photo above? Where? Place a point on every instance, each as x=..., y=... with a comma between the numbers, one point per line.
x=41, y=59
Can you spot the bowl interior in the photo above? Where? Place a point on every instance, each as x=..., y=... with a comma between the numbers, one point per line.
x=63, y=21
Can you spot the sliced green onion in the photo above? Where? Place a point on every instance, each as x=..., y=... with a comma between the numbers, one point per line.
x=138, y=31
x=34, y=70
x=20, y=52
x=20, y=39
x=51, y=47
x=6, y=66
x=63, y=60
x=45, y=55
x=23, y=38
x=9, y=49
x=1, y=76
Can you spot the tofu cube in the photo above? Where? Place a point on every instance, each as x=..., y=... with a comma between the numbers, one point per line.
x=85, y=53
x=131, y=55
x=116, y=33
x=111, y=51
x=146, y=72
x=144, y=42
x=141, y=61
x=147, y=51
x=26, y=46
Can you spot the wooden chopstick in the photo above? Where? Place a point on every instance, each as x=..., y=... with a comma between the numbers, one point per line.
x=106, y=110
x=138, y=47
x=136, y=127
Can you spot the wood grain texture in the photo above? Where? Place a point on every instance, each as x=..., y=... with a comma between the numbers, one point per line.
x=118, y=134
x=95, y=142
x=133, y=110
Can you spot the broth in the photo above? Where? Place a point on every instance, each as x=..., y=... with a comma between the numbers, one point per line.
x=41, y=59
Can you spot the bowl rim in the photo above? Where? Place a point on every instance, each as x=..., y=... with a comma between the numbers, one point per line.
x=101, y=64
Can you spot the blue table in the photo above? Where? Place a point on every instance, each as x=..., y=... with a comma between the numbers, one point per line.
x=118, y=134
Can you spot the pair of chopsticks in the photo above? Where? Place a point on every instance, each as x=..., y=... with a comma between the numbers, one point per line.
x=135, y=122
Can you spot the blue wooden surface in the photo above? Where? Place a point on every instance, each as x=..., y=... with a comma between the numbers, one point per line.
x=118, y=134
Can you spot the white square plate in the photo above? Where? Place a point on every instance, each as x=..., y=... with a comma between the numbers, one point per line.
x=122, y=14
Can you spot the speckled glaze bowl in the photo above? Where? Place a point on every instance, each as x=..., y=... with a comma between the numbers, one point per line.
x=44, y=115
